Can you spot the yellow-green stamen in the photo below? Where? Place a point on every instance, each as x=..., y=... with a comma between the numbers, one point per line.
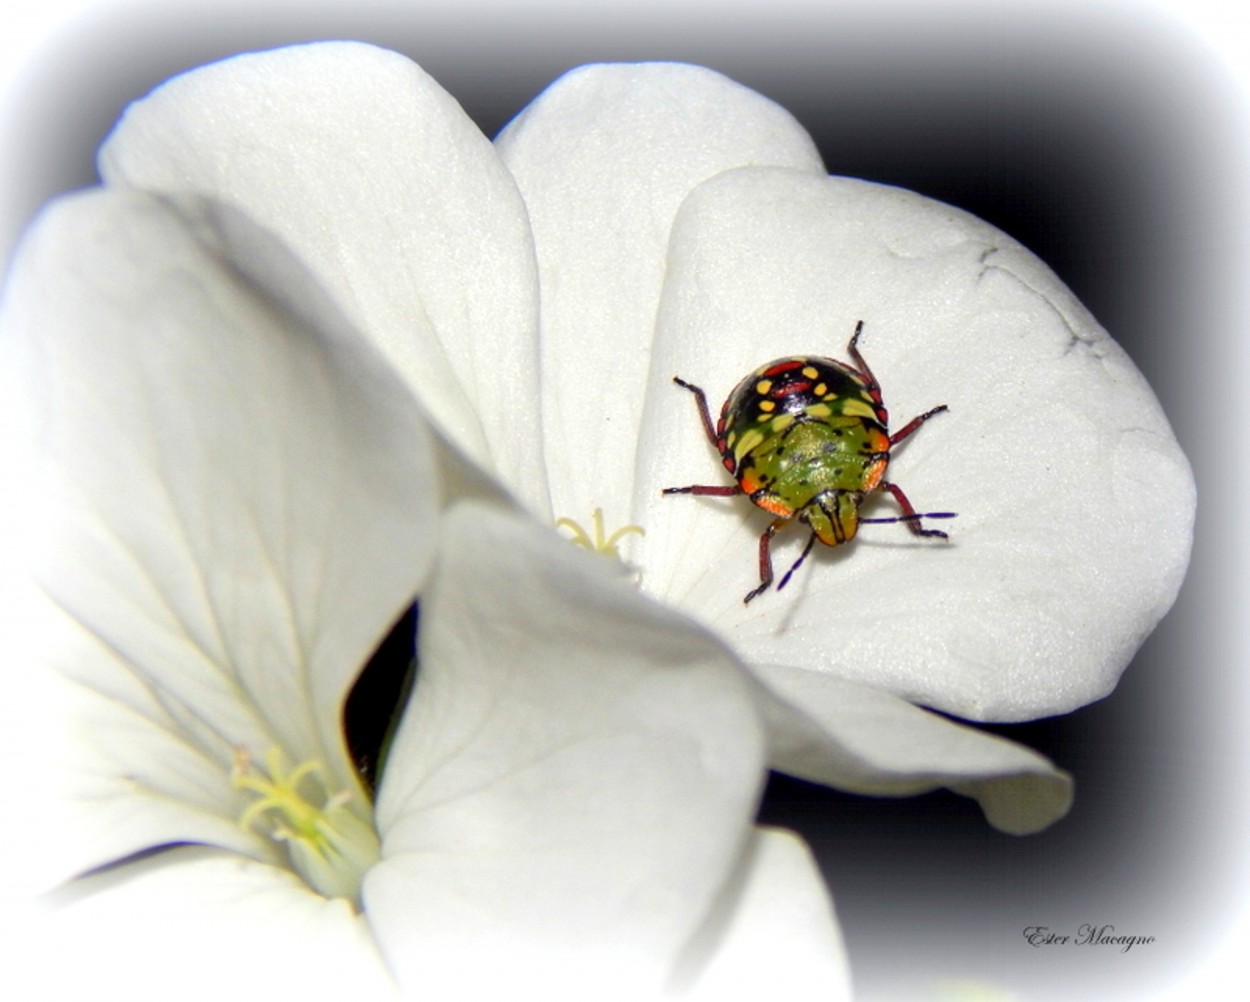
x=330, y=846
x=601, y=543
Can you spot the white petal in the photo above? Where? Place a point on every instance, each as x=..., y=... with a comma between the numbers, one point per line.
x=191, y=924
x=862, y=740
x=781, y=939
x=1075, y=503
x=572, y=783
x=237, y=499
x=377, y=179
x=604, y=158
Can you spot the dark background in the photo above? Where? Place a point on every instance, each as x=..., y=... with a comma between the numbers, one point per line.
x=1110, y=141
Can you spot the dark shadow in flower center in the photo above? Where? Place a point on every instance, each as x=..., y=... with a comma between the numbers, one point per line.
x=376, y=701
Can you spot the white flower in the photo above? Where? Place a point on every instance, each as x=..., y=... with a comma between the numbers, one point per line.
x=235, y=498
x=1023, y=613
x=537, y=297
x=1075, y=502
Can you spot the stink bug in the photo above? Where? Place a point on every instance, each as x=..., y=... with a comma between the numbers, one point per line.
x=808, y=437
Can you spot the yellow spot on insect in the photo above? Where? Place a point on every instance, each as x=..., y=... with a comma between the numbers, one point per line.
x=731, y=438
x=781, y=422
x=768, y=406
x=600, y=543
x=810, y=371
x=750, y=439
x=763, y=386
x=818, y=410
x=859, y=408
x=821, y=389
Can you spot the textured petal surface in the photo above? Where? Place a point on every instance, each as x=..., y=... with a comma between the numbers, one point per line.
x=572, y=784
x=191, y=924
x=604, y=158
x=235, y=500
x=377, y=179
x=862, y=740
x=1075, y=503
x=781, y=940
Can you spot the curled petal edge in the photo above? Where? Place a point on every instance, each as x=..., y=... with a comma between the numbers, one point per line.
x=863, y=740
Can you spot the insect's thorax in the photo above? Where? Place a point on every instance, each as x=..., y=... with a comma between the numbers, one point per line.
x=801, y=421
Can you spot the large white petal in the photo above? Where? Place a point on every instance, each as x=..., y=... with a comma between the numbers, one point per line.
x=863, y=740
x=235, y=498
x=604, y=157
x=780, y=939
x=191, y=923
x=1075, y=503
x=573, y=781
x=378, y=180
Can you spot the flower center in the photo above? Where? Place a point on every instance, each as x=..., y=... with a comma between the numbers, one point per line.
x=329, y=845
x=601, y=543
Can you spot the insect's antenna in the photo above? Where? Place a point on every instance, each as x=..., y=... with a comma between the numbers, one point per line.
x=915, y=516
x=802, y=556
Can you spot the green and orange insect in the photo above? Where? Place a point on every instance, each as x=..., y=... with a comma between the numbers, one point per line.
x=808, y=438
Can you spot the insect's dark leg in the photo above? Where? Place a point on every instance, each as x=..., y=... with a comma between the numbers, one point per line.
x=704, y=490
x=705, y=415
x=795, y=566
x=861, y=364
x=910, y=516
x=915, y=423
x=766, y=560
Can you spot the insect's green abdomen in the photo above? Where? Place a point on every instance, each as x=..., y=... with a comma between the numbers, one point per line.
x=810, y=457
